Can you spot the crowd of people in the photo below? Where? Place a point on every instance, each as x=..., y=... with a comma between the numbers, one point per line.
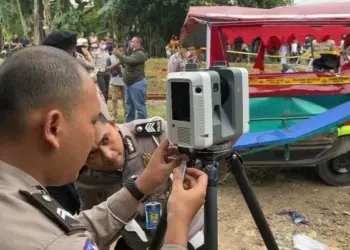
x=106, y=60
x=294, y=49
x=13, y=44
x=112, y=68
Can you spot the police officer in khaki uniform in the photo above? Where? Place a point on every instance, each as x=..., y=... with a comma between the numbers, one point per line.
x=106, y=174
x=46, y=132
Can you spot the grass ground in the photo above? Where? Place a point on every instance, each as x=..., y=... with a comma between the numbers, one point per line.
x=156, y=72
x=154, y=108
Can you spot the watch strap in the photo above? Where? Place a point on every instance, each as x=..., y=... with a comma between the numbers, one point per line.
x=130, y=185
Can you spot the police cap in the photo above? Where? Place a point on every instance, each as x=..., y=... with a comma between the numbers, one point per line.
x=61, y=39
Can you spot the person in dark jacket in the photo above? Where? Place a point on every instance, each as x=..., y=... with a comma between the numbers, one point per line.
x=66, y=195
x=135, y=81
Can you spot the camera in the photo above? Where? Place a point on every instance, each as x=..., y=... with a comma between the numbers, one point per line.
x=207, y=107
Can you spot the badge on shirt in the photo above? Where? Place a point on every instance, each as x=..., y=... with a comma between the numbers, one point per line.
x=89, y=245
x=146, y=157
x=149, y=128
x=130, y=147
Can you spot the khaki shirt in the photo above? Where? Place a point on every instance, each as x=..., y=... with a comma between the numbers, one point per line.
x=100, y=58
x=176, y=63
x=26, y=226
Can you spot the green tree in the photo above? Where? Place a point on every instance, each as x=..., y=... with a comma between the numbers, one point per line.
x=5, y=12
x=266, y=4
x=157, y=20
x=154, y=20
x=20, y=13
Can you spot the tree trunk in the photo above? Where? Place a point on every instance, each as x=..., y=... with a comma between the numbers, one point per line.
x=1, y=38
x=38, y=21
x=23, y=22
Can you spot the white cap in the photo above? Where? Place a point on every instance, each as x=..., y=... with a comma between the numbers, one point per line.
x=82, y=42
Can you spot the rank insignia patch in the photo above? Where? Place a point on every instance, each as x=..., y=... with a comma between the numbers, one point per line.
x=149, y=128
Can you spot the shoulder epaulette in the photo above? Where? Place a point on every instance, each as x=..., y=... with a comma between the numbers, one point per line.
x=149, y=128
x=42, y=200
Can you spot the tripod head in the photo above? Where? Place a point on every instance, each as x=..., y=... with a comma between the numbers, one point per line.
x=210, y=155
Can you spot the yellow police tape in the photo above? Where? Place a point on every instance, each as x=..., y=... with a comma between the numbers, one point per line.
x=301, y=81
x=303, y=56
x=345, y=130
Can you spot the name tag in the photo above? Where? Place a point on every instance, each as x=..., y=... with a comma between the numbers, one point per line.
x=153, y=212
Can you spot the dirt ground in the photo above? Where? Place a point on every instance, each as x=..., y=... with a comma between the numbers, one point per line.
x=326, y=208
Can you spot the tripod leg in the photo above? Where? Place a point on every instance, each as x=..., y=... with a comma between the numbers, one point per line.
x=211, y=209
x=237, y=170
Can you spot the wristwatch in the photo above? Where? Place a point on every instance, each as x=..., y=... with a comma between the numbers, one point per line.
x=130, y=185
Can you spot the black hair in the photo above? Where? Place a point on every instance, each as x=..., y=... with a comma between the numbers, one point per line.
x=62, y=39
x=32, y=78
x=79, y=49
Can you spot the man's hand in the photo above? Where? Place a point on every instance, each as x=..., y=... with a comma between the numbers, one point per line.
x=188, y=194
x=159, y=168
x=112, y=67
x=187, y=197
x=118, y=54
x=85, y=51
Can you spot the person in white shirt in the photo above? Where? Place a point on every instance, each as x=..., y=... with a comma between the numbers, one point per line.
x=100, y=57
x=294, y=49
x=283, y=53
x=83, y=55
x=116, y=81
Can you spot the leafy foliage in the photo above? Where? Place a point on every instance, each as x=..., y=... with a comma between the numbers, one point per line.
x=157, y=20
x=70, y=20
x=154, y=20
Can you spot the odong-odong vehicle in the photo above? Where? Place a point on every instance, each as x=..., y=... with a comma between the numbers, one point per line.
x=279, y=101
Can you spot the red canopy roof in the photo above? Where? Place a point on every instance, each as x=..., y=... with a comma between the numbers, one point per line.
x=320, y=20
x=305, y=12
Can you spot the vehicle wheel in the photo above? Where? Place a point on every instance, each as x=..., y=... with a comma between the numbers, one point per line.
x=336, y=172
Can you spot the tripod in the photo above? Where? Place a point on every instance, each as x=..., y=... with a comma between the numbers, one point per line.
x=210, y=159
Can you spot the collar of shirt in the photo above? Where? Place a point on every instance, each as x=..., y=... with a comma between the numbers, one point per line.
x=16, y=177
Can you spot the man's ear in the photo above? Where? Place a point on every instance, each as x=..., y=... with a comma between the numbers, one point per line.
x=53, y=127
